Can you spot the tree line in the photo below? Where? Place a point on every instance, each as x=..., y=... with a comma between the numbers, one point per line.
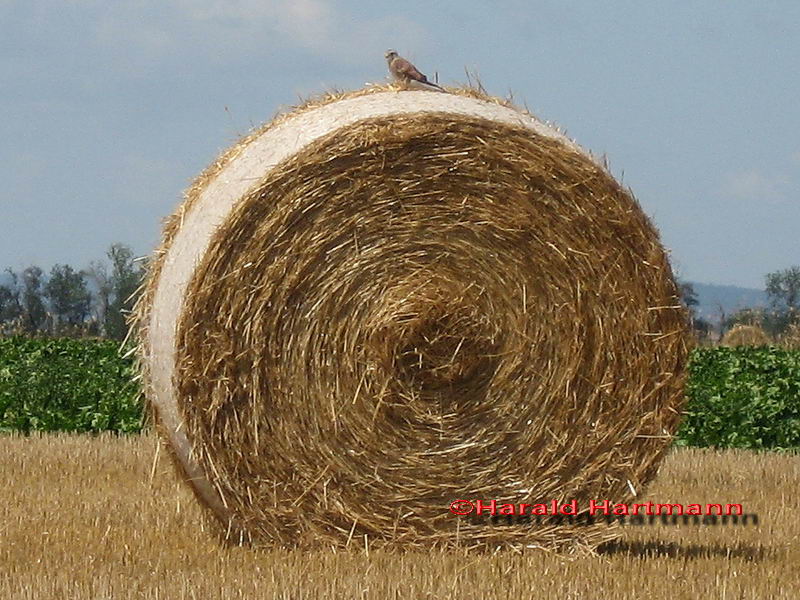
x=97, y=301
x=783, y=311
x=73, y=302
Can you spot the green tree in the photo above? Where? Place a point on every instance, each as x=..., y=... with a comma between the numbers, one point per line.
x=33, y=308
x=10, y=307
x=746, y=316
x=70, y=299
x=688, y=295
x=783, y=288
x=124, y=281
x=98, y=273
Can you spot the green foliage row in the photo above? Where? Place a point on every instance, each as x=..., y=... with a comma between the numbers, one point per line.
x=737, y=397
x=62, y=384
x=743, y=397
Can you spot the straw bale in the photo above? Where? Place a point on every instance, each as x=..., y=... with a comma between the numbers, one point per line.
x=745, y=335
x=387, y=300
x=790, y=339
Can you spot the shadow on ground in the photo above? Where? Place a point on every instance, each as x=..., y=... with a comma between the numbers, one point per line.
x=654, y=549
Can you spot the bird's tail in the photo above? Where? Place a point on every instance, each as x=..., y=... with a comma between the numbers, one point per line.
x=435, y=86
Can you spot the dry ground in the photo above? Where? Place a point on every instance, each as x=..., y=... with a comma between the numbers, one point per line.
x=90, y=518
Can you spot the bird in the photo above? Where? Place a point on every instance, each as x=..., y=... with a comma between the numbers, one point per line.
x=402, y=70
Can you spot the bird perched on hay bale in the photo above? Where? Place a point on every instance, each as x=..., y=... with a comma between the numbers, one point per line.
x=402, y=70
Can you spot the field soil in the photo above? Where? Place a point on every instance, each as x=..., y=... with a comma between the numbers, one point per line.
x=106, y=517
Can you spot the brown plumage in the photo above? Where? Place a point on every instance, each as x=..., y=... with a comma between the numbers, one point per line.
x=402, y=70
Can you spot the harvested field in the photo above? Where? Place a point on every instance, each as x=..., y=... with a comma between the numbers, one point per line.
x=94, y=517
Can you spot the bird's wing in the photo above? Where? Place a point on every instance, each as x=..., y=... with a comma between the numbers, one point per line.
x=406, y=69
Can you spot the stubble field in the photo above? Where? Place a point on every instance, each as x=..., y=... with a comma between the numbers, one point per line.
x=97, y=517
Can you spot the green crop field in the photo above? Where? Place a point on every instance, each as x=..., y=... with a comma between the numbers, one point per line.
x=62, y=384
x=743, y=398
x=737, y=397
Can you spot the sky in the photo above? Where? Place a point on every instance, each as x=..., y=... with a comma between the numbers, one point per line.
x=109, y=109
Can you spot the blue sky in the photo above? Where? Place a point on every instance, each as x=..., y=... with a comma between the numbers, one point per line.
x=108, y=109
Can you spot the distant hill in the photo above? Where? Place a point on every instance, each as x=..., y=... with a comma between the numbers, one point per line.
x=731, y=297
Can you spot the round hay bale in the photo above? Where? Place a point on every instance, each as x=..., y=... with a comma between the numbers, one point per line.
x=388, y=300
x=745, y=335
x=790, y=339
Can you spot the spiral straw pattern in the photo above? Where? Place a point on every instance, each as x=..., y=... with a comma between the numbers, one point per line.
x=388, y=300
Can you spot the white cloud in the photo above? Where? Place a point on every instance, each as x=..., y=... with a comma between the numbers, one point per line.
x=314, y=25
x=752, y=184
x=225, y=29
x=312, y=20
